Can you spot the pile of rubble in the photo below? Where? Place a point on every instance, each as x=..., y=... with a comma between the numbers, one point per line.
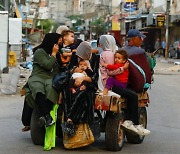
x=13, y=82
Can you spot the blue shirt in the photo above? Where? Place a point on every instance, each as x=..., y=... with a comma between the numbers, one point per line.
x=132, y=50
x=163, y=44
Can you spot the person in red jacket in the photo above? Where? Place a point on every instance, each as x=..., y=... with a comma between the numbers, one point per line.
x=119, y=80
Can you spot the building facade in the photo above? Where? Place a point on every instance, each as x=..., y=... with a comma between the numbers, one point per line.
x=59, y=10
x=149, y=16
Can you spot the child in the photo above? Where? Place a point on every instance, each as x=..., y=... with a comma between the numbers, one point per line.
x=65, y=52
x=119, y=80
x=84, y=69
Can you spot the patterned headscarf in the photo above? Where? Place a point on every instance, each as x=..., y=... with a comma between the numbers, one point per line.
x=48, y=42
x=84, y=50
x=108, y=42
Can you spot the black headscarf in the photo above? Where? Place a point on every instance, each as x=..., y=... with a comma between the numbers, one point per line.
x=48, y=42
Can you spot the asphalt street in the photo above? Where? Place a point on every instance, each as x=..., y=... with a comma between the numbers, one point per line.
x=163, y=121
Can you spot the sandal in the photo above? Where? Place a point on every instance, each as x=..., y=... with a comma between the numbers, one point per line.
x=26, y=128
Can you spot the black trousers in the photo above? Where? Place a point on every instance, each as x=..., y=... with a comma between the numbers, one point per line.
x=132, y=103
x=44, y=104
x=26, y=114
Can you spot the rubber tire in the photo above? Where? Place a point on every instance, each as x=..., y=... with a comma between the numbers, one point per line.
x=37, y=133
x=169, y=55
x=136, y=139
x=113, y=127
x=176, y=55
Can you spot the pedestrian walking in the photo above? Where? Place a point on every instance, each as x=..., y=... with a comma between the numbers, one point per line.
x=157, y=45
x=163, y=46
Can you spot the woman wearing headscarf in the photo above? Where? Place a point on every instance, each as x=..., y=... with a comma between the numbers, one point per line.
x=108, y=44
x=132, y=119
x=79, y=106
x=40, y=81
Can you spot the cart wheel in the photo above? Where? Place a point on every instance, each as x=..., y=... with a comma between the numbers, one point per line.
x=176, y=55
x=169, y=54
x=114, y=133
x=137, y=139
x=37, y=133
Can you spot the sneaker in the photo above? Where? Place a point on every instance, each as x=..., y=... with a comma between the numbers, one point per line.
x=142, y=131
x=45, y=121
x=49, y=121
x=42, y=121
x=130, y=126
x=69, y=129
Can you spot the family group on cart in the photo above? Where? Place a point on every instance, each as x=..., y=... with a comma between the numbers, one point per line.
x=76, y=93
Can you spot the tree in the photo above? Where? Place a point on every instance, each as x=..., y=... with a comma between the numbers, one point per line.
x=77, y=20
x=46, y=25
x=1, y=5
x=98, y=26
x=21, y=2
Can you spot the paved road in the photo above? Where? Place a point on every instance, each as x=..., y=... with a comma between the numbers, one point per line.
x=163, y=121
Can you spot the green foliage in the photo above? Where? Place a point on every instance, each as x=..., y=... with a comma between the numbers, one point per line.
x=46, y=25
x=55, y=26
x=1, y=2
x=1, y=5
x=98, y=26
x=78, y=19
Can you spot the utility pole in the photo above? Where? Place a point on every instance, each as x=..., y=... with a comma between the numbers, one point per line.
x=121, y=15
x=6, y=4
x=167, y=27
x=35, y=17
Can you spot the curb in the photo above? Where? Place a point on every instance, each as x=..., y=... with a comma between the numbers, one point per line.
x=166, y=73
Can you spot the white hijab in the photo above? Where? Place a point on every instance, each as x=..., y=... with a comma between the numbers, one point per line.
x=108, y=42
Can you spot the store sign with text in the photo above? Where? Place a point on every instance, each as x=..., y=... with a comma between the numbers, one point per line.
x=129, y=1
x=129, y=6
x=160, y=20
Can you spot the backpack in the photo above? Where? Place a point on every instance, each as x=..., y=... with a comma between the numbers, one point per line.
x=152, y=61
x=142, y=61
x=140, y=75
x=136, y=80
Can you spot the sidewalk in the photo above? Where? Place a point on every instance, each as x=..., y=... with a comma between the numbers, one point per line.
x=169, y=66
x=8, y=81
x=12, y=82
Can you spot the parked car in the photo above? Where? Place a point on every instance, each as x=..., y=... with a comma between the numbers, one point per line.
x=174, y=50
x=93, y=44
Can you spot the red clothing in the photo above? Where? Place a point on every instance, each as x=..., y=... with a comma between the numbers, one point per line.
x=123, y=77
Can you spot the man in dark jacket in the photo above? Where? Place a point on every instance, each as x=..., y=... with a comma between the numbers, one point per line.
x=135, y=39
x=136, y=53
